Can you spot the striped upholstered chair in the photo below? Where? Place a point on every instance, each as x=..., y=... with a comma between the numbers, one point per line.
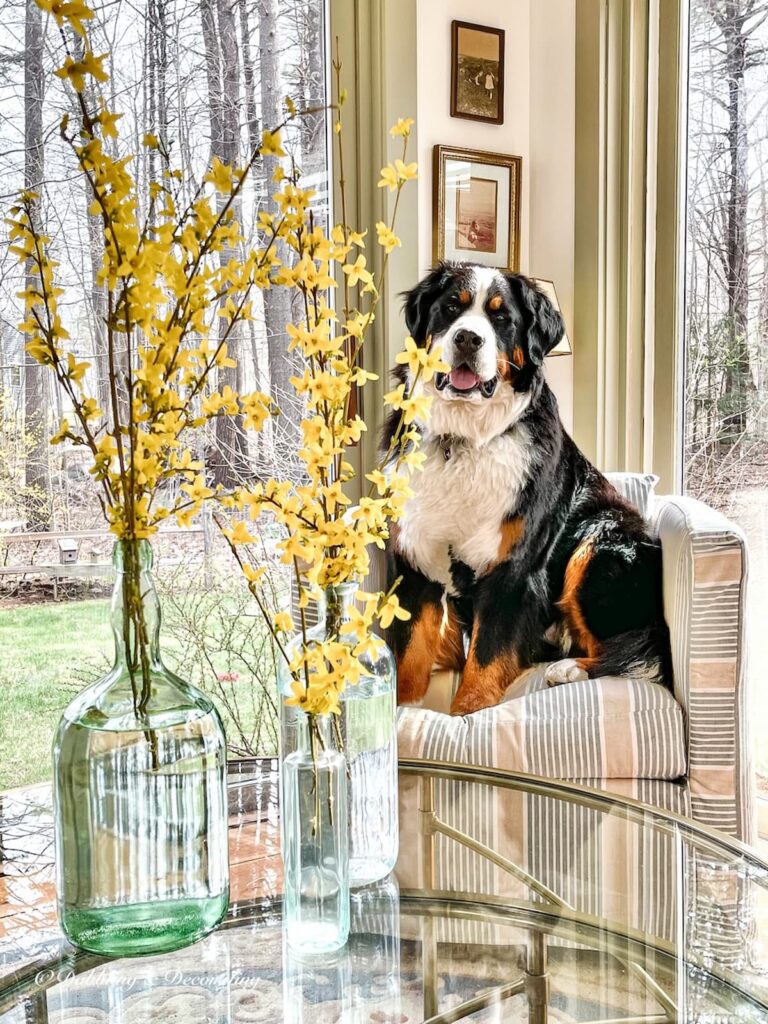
x=686, y=750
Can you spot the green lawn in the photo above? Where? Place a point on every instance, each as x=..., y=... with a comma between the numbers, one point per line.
x=49, y=652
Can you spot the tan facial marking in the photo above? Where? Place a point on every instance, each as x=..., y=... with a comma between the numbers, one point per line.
x=495, y=302
x=503, y=367
x=464, y=297
x=518, y=358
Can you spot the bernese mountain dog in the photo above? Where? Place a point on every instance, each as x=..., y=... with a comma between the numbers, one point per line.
x=513, y=549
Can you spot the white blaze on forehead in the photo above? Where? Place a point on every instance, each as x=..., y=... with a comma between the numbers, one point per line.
x=484, y=280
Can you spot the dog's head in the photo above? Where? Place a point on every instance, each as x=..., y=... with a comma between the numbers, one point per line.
x=494, y=329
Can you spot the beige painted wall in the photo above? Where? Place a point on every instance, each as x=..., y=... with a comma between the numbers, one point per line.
x=538, y=126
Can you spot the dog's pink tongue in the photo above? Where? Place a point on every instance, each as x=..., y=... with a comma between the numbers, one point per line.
x=463, y=379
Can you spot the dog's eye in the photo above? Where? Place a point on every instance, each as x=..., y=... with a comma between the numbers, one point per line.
x=500, y=316
x=453, y=308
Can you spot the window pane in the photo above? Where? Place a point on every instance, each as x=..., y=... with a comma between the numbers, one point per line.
x=726, y=375
x=205, y=79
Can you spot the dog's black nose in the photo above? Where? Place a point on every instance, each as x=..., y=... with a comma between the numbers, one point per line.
x=467, y=341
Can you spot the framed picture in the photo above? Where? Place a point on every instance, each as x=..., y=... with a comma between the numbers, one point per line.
x=477, y=72
x=476, y=207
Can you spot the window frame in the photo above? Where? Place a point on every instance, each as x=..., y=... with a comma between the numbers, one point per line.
x=376, y=41
x=631, y=100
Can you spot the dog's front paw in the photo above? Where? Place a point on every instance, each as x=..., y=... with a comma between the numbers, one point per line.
x=567, y=670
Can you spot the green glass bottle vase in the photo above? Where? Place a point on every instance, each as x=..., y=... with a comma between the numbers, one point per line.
x=140, y=797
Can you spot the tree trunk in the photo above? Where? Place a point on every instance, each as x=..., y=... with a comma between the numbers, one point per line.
x=222, y=69
x=98, y=293
x=311, y=88
x=212, y=73
x=35, y=393
x=734, y=409
x=249, y=80
x=277, y=301
x=253, y=135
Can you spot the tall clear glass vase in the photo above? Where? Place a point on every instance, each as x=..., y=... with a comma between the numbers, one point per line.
x=139, y=791
x=313, y=779
x=369, y=742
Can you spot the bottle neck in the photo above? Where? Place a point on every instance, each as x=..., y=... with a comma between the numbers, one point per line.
x=135, y=613
x=336, y=605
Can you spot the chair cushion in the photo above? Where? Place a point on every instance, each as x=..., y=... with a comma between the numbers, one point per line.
x=637, y=488
x=606, y=728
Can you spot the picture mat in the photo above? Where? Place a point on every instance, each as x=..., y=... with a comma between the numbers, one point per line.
x=459, y=172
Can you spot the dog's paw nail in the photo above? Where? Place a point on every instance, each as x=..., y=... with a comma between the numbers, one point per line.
x=566, y=671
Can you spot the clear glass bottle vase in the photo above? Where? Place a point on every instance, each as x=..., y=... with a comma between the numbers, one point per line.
x=313, y=781
x=140, y=796
x=367, y=726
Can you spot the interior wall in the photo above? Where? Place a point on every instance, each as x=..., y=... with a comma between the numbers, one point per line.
x=538, y=126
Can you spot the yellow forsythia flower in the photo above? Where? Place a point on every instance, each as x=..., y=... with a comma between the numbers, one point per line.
x=388, y=178
x=70, y=12
x=386, y=237
x=283, y=622
x=271, y=144
x=392, y=610
x=402, y=127
x=240, y=534
x=74, y=71
x=406, y=172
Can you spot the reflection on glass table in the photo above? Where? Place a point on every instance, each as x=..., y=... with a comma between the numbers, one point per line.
x=514, y=899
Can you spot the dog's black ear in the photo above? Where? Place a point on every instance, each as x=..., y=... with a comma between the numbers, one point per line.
x=543, y=324
x=419, y=301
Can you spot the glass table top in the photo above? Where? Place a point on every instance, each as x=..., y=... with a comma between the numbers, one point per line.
x=514, y=899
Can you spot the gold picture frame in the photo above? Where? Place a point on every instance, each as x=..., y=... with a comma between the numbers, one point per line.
x=476, y=207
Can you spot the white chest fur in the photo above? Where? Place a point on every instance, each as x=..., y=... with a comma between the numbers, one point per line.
x=459, y=503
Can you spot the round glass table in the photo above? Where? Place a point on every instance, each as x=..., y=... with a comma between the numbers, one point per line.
x=515, y=899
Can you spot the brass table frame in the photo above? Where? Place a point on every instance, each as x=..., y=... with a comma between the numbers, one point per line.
x=535, y=981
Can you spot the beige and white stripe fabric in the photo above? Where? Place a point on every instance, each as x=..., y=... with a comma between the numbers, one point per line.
x=637, y=488
x=705, y=581
x=610, y=728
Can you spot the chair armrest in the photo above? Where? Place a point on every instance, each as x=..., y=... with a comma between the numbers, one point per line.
x=704, y=582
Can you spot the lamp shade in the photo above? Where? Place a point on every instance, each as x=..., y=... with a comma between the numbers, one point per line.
x=563, y=347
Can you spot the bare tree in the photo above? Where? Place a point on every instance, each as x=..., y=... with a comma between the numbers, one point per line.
x=254, y=53
x=222, y=71
x=736, y=22
x=277, y=302
x=726, y=231
x=97, y=296
x=35, y=391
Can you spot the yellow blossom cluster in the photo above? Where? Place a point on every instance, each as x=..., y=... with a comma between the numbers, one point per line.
x=327, y=536
x=166, y=288
x=177, y=282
